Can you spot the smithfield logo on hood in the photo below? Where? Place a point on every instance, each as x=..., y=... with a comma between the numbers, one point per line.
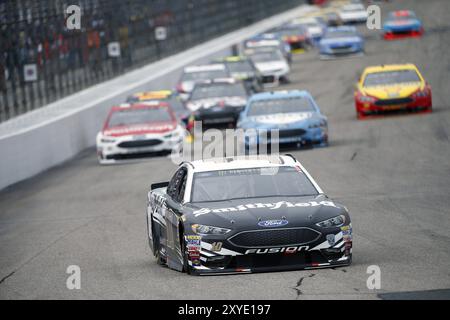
x=272, y=223
x=271, y=206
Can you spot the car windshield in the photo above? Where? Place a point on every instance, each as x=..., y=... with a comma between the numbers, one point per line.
x=353, y=8
x=266, y=56
x=284, y=105
x=224, y=185
x=204, y=75
x=240, y=66
x=391, y=77
x=218, y=90
x=127, y=117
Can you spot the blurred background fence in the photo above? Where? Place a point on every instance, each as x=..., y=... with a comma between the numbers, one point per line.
x=41, y=60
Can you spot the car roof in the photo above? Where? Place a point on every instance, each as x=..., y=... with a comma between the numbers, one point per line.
x=390, y=67
x=243, y=162
x=206, y=67
x=279, y=94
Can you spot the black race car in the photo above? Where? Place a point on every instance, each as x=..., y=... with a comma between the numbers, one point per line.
x=218, y=101
x=242, y=215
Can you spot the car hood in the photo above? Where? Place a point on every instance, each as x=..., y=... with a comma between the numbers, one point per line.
x=270, y=66
x=343, y=40
x=236, y=101
x=353, y=15
x=281, y=119
x=242, y=75
x=139, y=129
x=393, y=91
x=246, y=213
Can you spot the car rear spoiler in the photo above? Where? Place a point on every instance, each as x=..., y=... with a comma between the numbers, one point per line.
x=159, y=185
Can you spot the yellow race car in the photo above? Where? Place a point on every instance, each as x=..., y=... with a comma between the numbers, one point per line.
x=392, y=88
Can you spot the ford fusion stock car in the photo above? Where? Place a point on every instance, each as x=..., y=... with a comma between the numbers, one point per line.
x=218, y=101
x=293, y=114
x=402, y=24
x=392, y=88
x=198, y=73
x=271, y=64
x=242, y=215
x=340, y=41
x=133, y=130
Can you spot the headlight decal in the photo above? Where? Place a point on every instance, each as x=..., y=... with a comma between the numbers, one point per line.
x=332, y=222
x=209, y=230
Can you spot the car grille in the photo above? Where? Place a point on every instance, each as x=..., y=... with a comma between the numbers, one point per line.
x=344, y=47
x=268, y=79
x=139, y=143
x=390, y=102
x=288, y=133
x=274, y=238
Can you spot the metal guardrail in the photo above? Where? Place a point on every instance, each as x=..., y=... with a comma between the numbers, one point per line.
x=41, y=60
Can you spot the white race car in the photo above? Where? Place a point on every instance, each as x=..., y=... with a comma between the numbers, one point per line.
x=353, y=13
x=271, y=64
x=134, y=130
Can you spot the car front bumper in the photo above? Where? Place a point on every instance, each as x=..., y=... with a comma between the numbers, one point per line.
x=322, y=253
x=393, y=106
x=306, y=137
x=129, y=148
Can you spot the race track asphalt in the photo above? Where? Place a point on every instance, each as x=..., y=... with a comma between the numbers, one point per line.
x=393, y=173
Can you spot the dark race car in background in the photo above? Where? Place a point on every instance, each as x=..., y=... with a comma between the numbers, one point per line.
x=233, y=215
x=242, y=68
x=218, y=101
x=193, y=74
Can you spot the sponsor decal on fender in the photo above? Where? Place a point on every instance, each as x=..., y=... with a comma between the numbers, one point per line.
x=271, y=206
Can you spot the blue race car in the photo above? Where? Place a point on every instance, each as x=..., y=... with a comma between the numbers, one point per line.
x=402, y=24
x=294, y=114
x=339, y=41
